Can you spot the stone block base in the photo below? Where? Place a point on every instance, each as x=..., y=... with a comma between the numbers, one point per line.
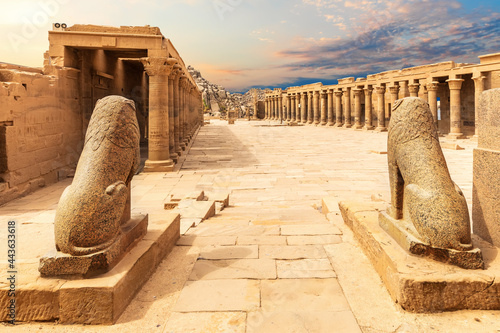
x=420, y=284
x=61, y=264
x=404, y=234
x=159, y=166
x=486, y=195
x=98, y=300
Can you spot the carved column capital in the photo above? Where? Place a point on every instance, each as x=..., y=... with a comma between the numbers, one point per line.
x=455, y=84
x=380, y=90
x=357, y=91
x=368, y=90
x=394, y=89
x=338, y=93
x=414, y=87
x=432, y=86
x=157, y=66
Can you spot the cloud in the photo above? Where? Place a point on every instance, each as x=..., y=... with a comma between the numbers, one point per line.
x=405, y=32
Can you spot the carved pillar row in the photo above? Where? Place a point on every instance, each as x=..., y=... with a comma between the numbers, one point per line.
x=338, y=108
x=455, y=86
x=380, y=91
x=158, y=71
x=368, y=109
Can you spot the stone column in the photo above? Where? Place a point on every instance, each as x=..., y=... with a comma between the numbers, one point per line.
x=357, y=108
x=316, y=107
x=432, y=89
x=414, y=87
x=423, y=92
x=303, y=107
x=323, y=107
x=403, y=89
x=331, y=117
x=338, y=108
x=455, y=108
x=288, y=103
x=347, y=107
x=310, y=112
x=394, y=90
x=182, y=112
x=171, y=111
x=280, y=107
x=478, y=89
x=255, y=105
x=368, y=109
x=177, y=108
x=158, y=136
x=292, y=108
x=296, y=116
x=380, y=91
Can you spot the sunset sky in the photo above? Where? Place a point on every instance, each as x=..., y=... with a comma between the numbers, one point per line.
x=241, y=44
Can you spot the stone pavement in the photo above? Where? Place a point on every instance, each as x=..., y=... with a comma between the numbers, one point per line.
x=271, y=262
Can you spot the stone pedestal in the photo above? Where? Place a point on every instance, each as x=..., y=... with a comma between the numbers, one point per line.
x=486, y=181
x=61, y=264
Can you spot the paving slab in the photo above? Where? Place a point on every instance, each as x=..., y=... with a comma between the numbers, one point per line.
x=187, y=240
x=302, y=322
x=216, y=252
x=234, y=269
x=313, y=240
x=291, y=251
x=202, y=322
x=304, y=268
x=219, y=295
x=300, y=294
x=315, y=229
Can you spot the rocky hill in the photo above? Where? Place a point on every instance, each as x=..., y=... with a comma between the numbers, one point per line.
x=217, y=100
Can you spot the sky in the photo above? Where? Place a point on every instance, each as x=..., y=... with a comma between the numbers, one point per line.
x=241, y=44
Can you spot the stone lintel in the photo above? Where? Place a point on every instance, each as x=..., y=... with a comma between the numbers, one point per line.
x=60, y=264
x=419, y=284
x=404, y=234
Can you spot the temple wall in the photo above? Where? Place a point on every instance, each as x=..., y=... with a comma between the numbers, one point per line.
x=41, y=129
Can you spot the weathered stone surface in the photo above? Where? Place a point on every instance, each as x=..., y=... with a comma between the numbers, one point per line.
x=202, y=322
x=219, y=295
x=291, y=252
x=301, y=230
x=416, y=283
x=93, y=207
x=304, y=269
x=234, y=269
x=229, y=252
x=56, y=263
x=486, y=179
x=422, y=191
x=302, y=322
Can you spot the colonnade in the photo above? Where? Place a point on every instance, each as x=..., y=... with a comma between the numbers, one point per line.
x=175, y=112
x=360, y=104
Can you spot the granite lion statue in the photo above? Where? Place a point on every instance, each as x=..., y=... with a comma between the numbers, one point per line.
x=421, y=187
x=89, y=214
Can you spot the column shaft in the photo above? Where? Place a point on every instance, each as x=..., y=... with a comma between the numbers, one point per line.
x=368, y=109
x=338, y=108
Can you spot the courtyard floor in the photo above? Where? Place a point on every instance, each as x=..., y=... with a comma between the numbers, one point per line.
x=271, y=261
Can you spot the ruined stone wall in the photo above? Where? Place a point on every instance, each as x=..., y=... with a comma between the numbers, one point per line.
x=41, y=136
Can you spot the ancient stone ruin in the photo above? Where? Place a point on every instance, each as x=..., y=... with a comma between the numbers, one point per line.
x=93, y=225
x=428, y=213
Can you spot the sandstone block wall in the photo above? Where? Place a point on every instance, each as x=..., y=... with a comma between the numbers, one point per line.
x=41, y=134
